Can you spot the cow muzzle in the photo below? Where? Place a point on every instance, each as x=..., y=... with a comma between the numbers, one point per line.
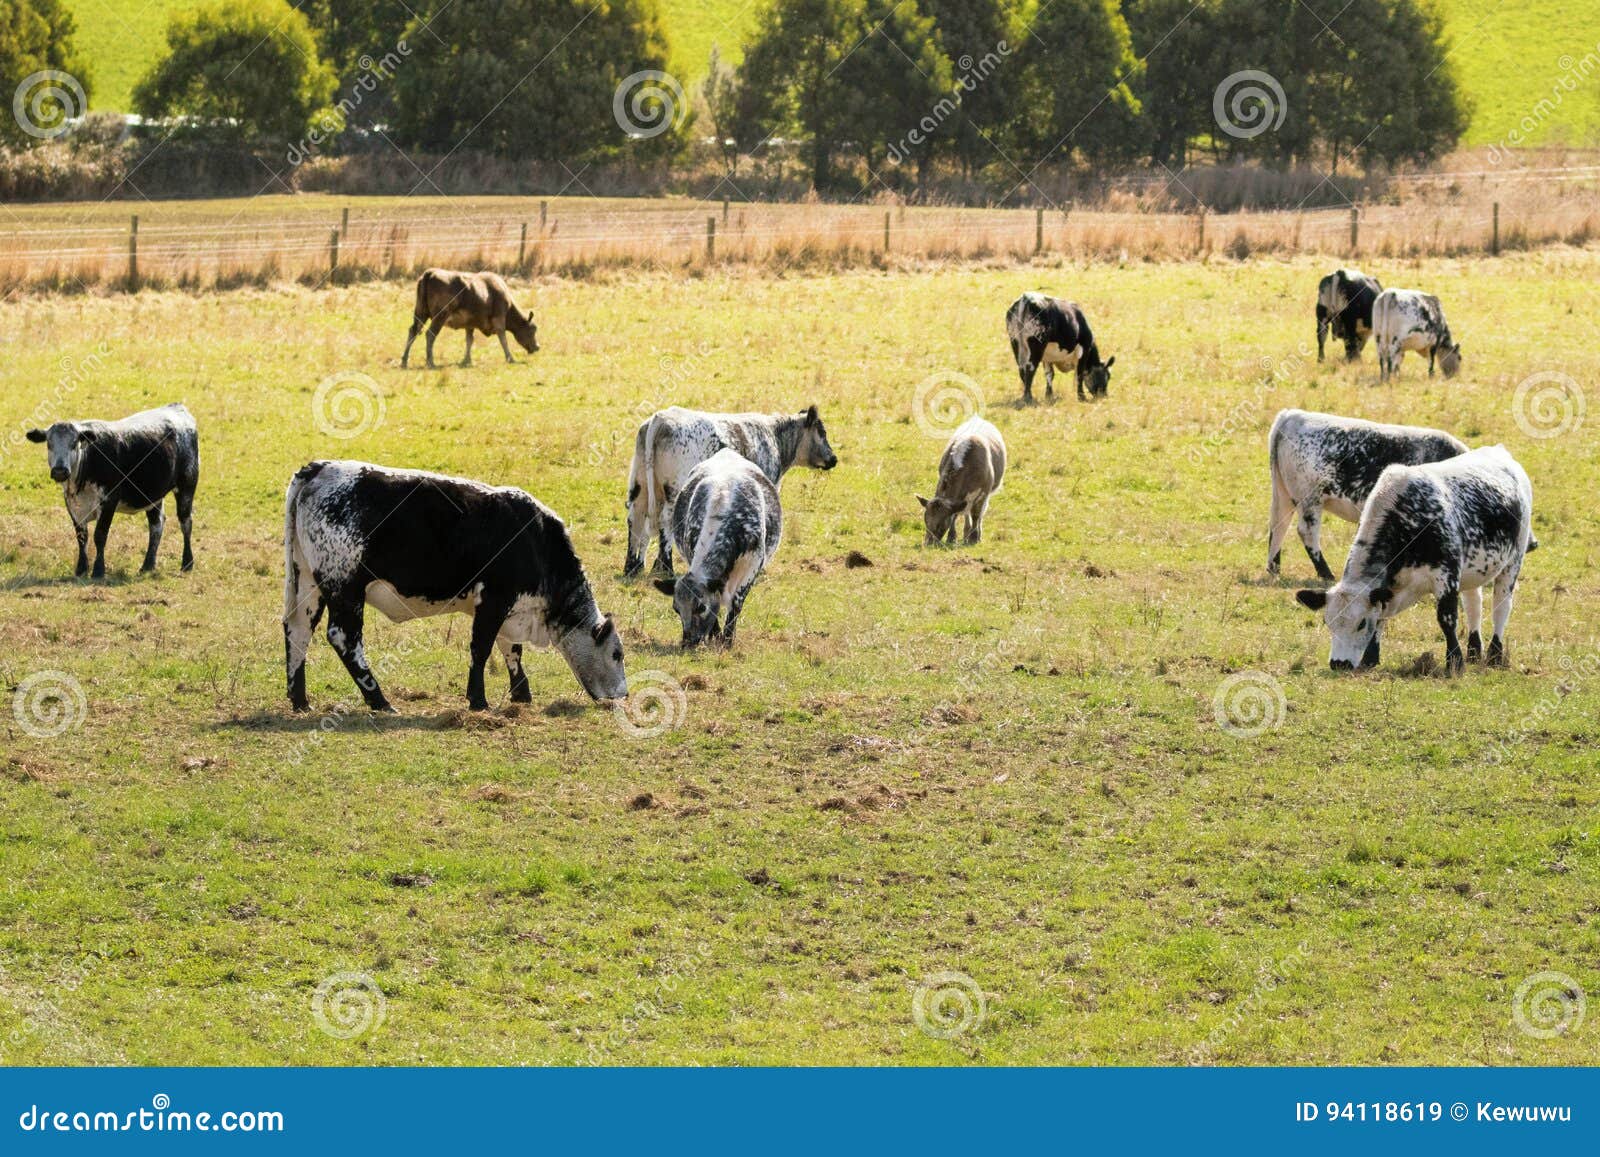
x=58, y=474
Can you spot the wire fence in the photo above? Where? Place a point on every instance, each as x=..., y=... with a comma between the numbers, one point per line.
x=342, y=242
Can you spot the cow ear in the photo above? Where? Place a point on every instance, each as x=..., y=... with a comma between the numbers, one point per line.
x=601, y=629
x=922, y=500
x=86, y=435
x=1111, y=361
x=1312, y=599
x=811, y=416
x=36, y=435
x=667, y=586
x=1380, y=596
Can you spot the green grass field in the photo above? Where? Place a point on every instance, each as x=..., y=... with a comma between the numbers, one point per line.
x=1509, y=56
x=1003, y=762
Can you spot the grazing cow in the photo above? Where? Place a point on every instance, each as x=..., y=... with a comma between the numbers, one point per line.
x=1405, y=319
x=475, y=302
x=1448, y=529
x=1325, y=462
x=414, y=544
x=1050, y=332
x=971, y=470
x=674, y=441
x=131, y=464
x=1344, y=305
x=727, y=522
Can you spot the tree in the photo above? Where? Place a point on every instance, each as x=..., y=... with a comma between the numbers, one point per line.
x=1178, y=43
x=720, y=92
x=357, y=37
x=36, y=36
x=1076, y=83
x=249, y=67
x=981, y=38
x=555, y=80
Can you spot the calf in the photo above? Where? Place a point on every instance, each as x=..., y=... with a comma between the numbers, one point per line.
x=1324, y=462
x=475, y=302
x=727, y=522
x=414, y=544
x=1344, y=305
x=970, y=472
x=672, y=442
x=131, y=464
x=1404, y=319
x=1050, y=332
x=1445, y=528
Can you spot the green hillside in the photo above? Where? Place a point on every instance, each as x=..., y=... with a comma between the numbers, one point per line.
x=1510, y=56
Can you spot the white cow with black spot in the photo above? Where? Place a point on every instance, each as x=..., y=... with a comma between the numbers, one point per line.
x=1407, y=319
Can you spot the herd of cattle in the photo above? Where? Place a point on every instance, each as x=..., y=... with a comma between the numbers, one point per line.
x=1433, y=516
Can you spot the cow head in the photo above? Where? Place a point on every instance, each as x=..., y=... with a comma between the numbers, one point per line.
x=595, y=656
x=814, y=449
x=1450, y=359
x=938, y=519
x=64, y=443
x=1354, y=615
x=696, y=607
x=522, y=328
x=1098, y=377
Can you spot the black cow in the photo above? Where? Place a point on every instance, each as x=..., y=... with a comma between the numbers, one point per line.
x=132, y=464
x=1050, y=332
x=1344, y=305
x=415, y=544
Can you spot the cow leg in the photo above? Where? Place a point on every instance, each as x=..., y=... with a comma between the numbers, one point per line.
x=512, y=653
x=1025, y=371
x=735, y=605
x=416, y=328
x=1505, y=589
x=1472, y=602
x=299, y=622
x=1049, y=381
x=1311, y=535
x=1322, y=334
x=1283, y=513
x=467, y=360
x=102, y=527
x=486, y=623
x=1448, y=603
x=1082, y=397
x=500, y=331
x=345, y=623
x=975, y=514
x=185, y=503
x=434, y=327
x=638, y=531
x=1432, y=350
x=1352, y=348
x=158, y=522
x=81, y=529
x=664, y=545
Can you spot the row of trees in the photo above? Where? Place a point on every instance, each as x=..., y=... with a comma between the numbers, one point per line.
x=991, y=87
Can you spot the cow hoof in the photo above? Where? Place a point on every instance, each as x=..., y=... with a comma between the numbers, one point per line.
x=522, y=697
x=188, y=565
x=1453, y=664
x=299, y=706
x=480, y=705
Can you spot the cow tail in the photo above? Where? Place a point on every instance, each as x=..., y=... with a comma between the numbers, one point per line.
x=291, y=534
x=651, y=505
x=1281, y=502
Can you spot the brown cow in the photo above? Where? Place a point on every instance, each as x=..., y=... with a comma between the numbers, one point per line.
x=475, y=302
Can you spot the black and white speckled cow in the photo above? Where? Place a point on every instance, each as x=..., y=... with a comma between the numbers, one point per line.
x=1406, y=319
x=131, y=464
x=727, y=522
x=1324, y=462
x=1344, y=306
x=1448, y=529
x=414, y=544
x=1049, y=332
x=672, y=442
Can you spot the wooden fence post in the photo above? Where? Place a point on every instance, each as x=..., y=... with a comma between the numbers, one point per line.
x=344, y=222
x=333, y=251
x=1038, y=229
x=1355, y=228
x=544, y=212
x=711, y=238
x=724, y=212
x=1494, y=246
x=1202, y=242
x=133, y=253
x=886, y=231
x=522, y=246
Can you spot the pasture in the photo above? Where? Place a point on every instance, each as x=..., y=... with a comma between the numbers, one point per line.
x=1037, y=763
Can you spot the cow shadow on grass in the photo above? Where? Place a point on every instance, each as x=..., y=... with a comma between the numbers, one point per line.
x=346, y=719
x=112, y=578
